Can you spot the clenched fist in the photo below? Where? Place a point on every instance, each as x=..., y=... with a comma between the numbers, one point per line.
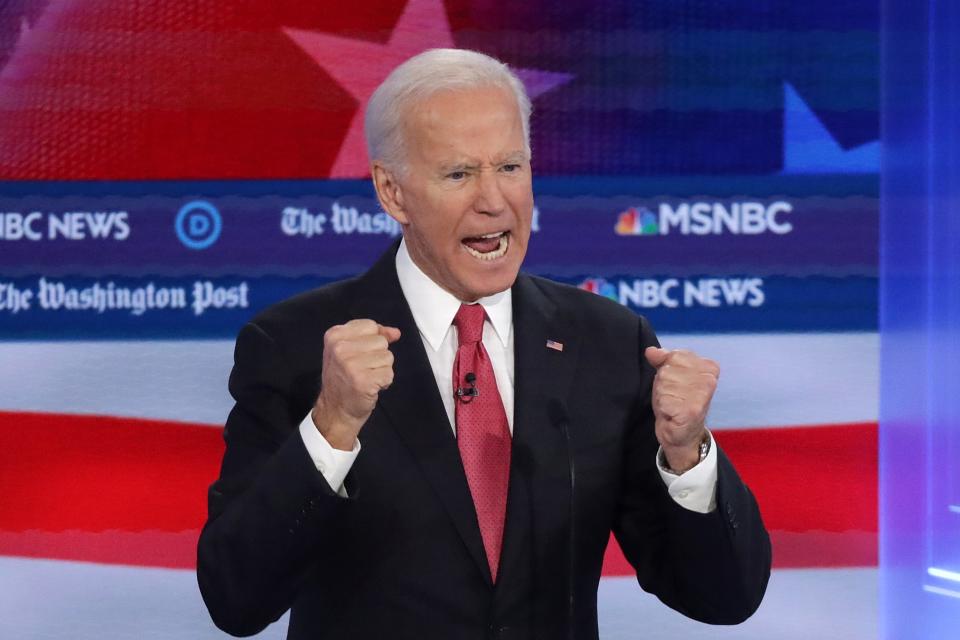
x=682, y=390
x=357, y=366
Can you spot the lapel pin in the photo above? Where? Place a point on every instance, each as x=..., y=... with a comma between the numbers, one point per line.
x=553, y=344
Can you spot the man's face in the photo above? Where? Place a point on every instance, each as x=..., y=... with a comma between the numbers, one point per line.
x=466, y=199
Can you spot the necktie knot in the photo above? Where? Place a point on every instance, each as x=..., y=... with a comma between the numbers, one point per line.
x=469, y=323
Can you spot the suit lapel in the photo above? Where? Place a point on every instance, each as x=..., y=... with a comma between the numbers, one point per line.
x=539, y=498
x=413, y=405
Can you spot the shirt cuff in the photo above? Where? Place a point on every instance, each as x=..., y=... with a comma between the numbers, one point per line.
x=333, y=464
x=696, y=489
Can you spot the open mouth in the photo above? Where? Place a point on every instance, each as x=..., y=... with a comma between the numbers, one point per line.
x=488, y=247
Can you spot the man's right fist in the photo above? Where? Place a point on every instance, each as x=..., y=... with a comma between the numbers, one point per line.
x=357, y=365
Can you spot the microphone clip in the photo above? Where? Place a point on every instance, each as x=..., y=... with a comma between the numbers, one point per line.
x=468, y=393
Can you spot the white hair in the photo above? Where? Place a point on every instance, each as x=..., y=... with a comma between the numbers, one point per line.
x=420, y=77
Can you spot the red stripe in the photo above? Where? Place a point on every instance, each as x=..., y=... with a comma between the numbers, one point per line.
x=131, y=491
x=170, y=549
x=103, y=489
x=817, y=491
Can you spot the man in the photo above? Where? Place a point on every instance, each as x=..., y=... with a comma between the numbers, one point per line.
x=440, y=448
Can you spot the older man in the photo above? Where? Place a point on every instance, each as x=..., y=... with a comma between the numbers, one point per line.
x=441, y=447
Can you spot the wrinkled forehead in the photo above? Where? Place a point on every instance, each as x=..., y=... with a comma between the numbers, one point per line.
x=468, y=115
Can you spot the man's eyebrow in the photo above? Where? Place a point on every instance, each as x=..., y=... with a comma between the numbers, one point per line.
x=472, y=165
x=516, y=156
x=458, y=166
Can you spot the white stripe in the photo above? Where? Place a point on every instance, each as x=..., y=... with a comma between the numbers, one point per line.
x=166, y=380
x=53, y=599
x=56, y=599
x=800, y=604
x=766, y=379
x=769, y=380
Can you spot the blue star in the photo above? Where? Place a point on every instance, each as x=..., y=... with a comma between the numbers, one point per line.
x=809, y=148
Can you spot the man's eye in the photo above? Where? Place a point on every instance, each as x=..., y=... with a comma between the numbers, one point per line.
x=510, y=168
x=457, y=175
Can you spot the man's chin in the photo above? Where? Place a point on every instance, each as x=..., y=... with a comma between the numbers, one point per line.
x=489, y=286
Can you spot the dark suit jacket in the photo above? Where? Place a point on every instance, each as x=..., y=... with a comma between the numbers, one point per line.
x=402, y=557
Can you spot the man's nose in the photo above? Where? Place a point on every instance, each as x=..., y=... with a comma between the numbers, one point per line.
x=489, y=197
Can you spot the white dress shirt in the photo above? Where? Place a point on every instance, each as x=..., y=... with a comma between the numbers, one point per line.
x=433, y=310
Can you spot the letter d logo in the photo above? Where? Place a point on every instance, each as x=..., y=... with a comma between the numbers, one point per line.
x=198, y=224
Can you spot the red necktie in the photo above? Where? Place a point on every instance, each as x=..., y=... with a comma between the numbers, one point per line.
x=483, y=435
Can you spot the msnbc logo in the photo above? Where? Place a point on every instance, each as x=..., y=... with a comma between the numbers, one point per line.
x=600, y=287
x=634, y=222
x=704, y=218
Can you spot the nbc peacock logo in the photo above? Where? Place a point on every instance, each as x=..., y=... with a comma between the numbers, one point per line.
x=600, y=287
x=637, y=222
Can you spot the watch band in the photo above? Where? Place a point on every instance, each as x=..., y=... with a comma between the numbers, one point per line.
x=704, y=450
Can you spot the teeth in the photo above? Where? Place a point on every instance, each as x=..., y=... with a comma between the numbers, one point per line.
x=492, y=235
x=499, y=252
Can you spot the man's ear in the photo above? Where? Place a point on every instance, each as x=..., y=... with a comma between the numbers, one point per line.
x=388, y=192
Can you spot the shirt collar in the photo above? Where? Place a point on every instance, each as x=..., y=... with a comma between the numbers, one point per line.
x=434, y=307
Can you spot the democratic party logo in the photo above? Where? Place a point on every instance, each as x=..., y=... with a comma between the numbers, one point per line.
x=637, y=222
x=198, y=224
x=600, y=287
x=703, y=218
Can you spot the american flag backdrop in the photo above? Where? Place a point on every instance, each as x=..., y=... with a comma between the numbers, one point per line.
x=170, y=168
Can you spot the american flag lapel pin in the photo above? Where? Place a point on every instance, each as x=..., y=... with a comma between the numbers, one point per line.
x=553, y=344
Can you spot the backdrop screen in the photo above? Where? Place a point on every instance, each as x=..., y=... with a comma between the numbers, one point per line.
x=171, y=168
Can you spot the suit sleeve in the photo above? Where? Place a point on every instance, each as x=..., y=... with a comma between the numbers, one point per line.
x=712, y=567
x=270, y=511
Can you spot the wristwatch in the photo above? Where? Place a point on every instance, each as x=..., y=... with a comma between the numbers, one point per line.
x=704, y=450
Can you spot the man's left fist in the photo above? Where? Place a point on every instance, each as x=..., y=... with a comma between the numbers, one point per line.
x=682, y=390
